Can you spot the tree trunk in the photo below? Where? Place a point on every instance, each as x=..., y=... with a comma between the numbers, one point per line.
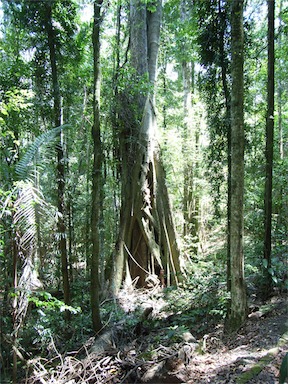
x=40, y=250
x=146, y=241
x=269, y=151
x=61, y=226
x=238, y=305
x=190, y=150
x=190, y=153
x=224, y=72
x=97, y=179
x=281, y=65
x=14, y=308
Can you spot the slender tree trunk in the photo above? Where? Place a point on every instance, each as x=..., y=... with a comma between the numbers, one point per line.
x=226, y=91
x=61, y=226
x=97, y=179
x=70, y=231
x=87, y=226
x=238, y=305
x=280, y=86
x=87, y=235
x=190, y=153
x=187, y=106
x=164, y=82
x=40, y=252
x=190, y=148
x=14, y=308
x=281, y=211
x=269, y=150
x=115, y=113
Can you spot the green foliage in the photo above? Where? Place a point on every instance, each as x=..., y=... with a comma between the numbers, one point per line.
x=213, y=35
x=151, y=5
x=45, y=300
x=28, y=199
x=269, y=270
x=196, y=32
x=46, y=324
x=131, y=84
x=200, y=303
x=175, y=332
x=284, y=370
x=14, y=100
x=14, y=106
x=180, y=38
x=214, y=84
x=23, y=168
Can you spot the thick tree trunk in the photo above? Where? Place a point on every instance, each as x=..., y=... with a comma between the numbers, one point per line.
x=61, y=226
x=238, y=305
x=97, y=179
x=147, y=241
x=269, y=151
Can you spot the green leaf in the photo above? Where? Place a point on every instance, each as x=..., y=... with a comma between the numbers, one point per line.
x=22, y=168
x=25, y=215
x=284, y=370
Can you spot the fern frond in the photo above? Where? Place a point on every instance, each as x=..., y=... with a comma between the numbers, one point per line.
x=23, y=166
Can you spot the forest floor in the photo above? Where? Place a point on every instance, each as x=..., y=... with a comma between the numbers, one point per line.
x=253, y=355
x=158, y=346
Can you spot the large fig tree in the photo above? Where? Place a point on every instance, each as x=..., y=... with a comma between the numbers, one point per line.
x=146, y=241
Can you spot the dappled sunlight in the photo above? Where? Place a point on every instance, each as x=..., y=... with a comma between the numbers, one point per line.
x=156, y=342
x=143, y=194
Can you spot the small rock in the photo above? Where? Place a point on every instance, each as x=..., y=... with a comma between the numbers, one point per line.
x=188, y=337
x=256, y=315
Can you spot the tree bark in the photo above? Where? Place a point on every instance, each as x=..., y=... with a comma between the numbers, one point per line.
x=226, y=92
x=281, y=65
x=269, y=151
x=238, y=305
x=97, y=179
x=147, y=240
x=61, y=226
x=189, y=148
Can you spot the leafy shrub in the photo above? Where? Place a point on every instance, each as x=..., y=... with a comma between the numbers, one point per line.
x=201, y=302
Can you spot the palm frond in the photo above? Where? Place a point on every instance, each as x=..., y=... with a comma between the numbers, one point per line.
x=23, y=167
x=25, y=212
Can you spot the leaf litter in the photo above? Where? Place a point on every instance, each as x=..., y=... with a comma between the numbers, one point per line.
x=150, y=348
